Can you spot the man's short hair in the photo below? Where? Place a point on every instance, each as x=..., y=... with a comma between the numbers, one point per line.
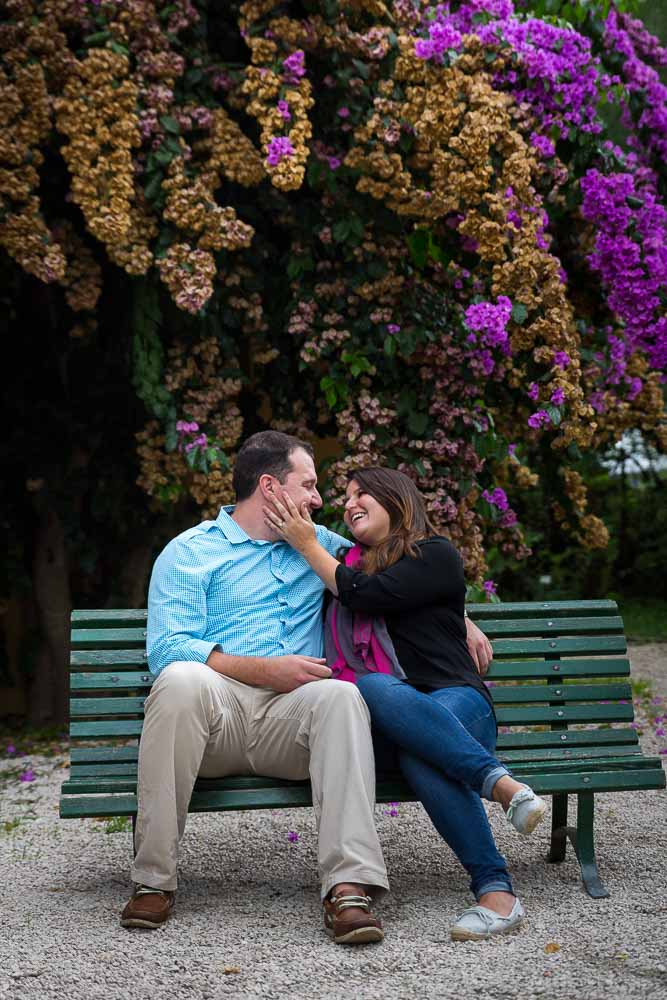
x=264, y=453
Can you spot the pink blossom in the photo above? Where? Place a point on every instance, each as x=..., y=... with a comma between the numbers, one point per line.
x=343, y=112
x=558, y=396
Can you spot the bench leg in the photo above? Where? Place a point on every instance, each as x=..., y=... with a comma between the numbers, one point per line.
x=558, y=827
x=134, y=834
x=582, y=839
x=583, y=842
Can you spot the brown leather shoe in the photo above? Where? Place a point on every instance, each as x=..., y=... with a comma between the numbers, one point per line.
x=148, y=908
x=353, y=930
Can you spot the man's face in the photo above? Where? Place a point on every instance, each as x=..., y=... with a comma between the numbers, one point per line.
x=301, y=483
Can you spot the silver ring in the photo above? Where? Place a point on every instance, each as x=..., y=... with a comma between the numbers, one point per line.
x=281, y=524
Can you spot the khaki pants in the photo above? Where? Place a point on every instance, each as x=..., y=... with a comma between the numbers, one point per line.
x=199, y=722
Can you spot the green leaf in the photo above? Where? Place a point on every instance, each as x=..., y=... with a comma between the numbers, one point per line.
x=390, y=346
x=169, y=124
x=519, y=313
x=417, y=423
x=340, y=230
x=554, y=413
x=153, y=187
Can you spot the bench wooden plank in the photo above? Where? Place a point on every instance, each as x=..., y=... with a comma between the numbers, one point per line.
x=526, y=627
x=125, y=804
x=131, y=704
x=108, y=638
x=546, y=714
x=533, y=609
x=557, y=669
x=560, y=692
x=118, y=618
x=559, y=646
x=103, y=680
x=591, y=739
x=127, y=782
x=99, y=659
x=128, y=769
x=571, y=738
x=109, y=617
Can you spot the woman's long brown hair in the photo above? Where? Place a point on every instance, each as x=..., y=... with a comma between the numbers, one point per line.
x=408, y=520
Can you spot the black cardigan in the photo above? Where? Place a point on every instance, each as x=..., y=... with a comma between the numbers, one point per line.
x=422, y=601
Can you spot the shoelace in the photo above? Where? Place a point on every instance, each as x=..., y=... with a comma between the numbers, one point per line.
x=487, y=917
x=524, y=795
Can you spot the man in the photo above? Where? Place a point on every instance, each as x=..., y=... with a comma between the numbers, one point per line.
x=235, y=637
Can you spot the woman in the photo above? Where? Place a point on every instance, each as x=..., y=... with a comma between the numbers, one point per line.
x=425, y=696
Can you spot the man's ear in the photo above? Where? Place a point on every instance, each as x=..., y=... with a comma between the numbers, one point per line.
x=266, y=484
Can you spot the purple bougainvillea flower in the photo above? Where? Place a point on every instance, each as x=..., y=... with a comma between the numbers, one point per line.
x=27, y=775
x=334, y=162
x=490, y=587
x=10, y=749
x=497, y=498
x=539, y=419
x=558, y=396
x=663, y=751
x=292, y=836
x=343, y=112
x=278, y=148
x=393, y=328
x=562, y=359
x=283, y=108
x=660, y=732
x=533, y=391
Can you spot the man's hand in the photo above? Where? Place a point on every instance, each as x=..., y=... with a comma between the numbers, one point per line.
x=479, y=647
x=287, y=673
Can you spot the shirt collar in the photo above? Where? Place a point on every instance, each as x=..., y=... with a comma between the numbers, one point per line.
x=232, y=531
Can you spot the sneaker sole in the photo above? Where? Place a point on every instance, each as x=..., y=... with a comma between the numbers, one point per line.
x=536, y=816
x=460, y=934
x=362, y=935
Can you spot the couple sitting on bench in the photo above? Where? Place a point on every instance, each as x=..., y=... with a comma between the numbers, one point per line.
x=235, y=635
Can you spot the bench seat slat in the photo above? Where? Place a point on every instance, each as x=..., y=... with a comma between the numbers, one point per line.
x=538, y=609
x=556, y=692
x=125, y=804
x=538, y=715
x=533, y=693
x=524, y=715
x=569, y=738
x=128, y=770
x=559, y=669
x=109, y=618
x=104, y=680
x=119, y=659
x=526, y=627
x=128, y=783
x=559, y=646
x=117, y=618
x=108, y=638
x=110, y=681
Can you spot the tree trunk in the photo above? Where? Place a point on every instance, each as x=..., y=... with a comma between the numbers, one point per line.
x=49, y=688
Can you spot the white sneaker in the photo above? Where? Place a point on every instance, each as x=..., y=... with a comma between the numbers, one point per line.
x=478, y=923
x=525, y=810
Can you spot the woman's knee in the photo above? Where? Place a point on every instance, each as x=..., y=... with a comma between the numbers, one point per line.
x=378, y=687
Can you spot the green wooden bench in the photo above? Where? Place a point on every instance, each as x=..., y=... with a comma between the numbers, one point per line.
x=560, y=679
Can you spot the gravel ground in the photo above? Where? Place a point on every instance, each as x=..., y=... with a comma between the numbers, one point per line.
x=248, y=920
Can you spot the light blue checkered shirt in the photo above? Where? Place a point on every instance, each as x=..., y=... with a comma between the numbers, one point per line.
x=213, y=586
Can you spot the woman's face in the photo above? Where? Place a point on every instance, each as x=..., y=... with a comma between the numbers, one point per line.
x=365, y=517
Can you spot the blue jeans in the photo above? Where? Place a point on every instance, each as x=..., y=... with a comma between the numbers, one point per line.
x=443, y=743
